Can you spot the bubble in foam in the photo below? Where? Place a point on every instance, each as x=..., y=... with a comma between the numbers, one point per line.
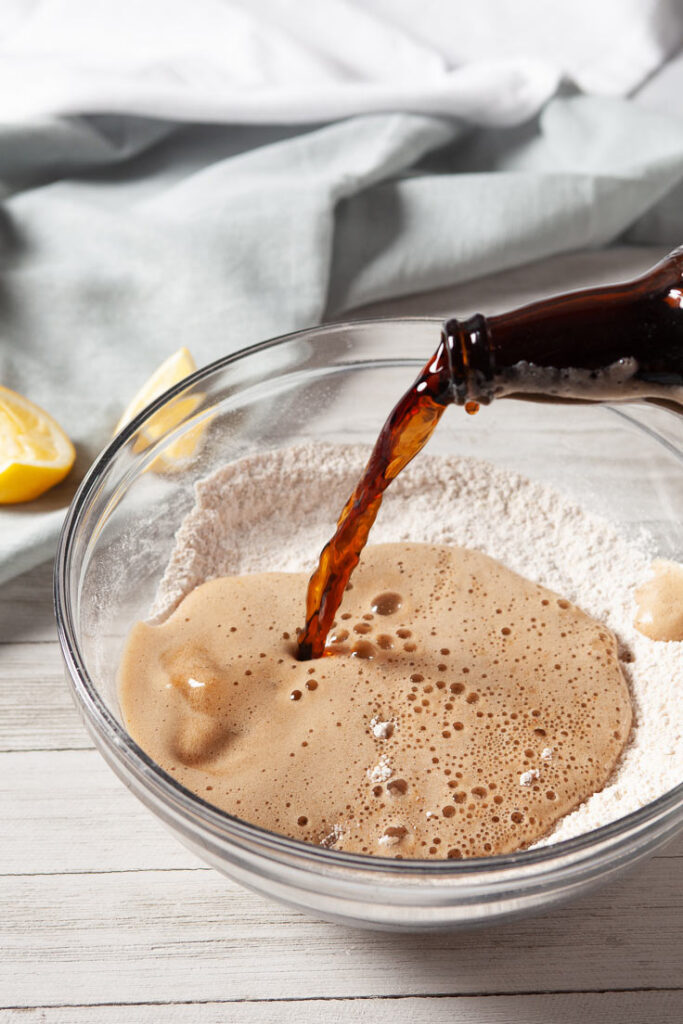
x=393, y=835
x=387, y=603
x=363, y=649
x=397, y=787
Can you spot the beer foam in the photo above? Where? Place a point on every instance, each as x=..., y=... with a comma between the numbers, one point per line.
x=529, y=527
x=486, y=667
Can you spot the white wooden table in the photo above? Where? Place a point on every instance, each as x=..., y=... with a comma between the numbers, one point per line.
x=106, y=920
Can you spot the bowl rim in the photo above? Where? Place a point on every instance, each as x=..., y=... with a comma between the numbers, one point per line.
x=105, y=727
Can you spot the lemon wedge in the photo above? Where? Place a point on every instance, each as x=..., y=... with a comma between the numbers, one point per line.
x=178, y=410
x=171, y=371
x=35, y=453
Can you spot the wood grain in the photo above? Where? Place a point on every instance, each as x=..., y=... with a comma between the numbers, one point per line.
x=665, y=1007
x=36, y=708
x=193, y=935
x=94, y=824
x=26, y=607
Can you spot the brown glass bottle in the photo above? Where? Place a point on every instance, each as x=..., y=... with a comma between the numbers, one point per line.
x=617, y=343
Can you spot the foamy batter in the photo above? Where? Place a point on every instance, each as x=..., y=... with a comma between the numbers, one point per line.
x=530, y=527
x=462, y=712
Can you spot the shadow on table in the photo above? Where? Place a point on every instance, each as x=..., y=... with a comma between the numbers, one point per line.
x=626, y=936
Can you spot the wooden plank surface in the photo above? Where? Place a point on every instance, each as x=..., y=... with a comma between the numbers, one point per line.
x=36, y=708
x=95, y=825
x=192, y=935
x=662, y=1007
x=26, y=608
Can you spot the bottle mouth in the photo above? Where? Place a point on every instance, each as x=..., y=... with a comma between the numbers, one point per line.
x=470, y=359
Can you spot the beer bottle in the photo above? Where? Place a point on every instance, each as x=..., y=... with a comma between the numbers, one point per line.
x=616, y=343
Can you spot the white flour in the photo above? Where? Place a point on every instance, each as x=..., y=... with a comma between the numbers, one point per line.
x=382, y=770
x=381, y=730
x=275, y=511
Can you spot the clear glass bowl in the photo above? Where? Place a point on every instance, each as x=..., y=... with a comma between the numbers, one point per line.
x=337, y=384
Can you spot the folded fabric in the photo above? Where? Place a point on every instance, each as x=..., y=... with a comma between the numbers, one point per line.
x=293, y=61
x=123, y=237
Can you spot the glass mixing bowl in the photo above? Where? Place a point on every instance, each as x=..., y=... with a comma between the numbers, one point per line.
x=337, y=383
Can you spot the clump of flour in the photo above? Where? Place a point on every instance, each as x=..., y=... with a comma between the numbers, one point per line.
x=276, y=510
x=382, y=770
x=381, y=730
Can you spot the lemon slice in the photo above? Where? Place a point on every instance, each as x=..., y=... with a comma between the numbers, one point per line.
x=172, y=370
x=35, y=453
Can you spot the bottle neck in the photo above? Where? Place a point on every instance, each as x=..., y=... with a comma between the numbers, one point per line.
x=471, y=360
x=603, y=344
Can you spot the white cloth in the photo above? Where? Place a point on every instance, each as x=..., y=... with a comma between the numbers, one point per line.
x=292, y=61
x=126, y=230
